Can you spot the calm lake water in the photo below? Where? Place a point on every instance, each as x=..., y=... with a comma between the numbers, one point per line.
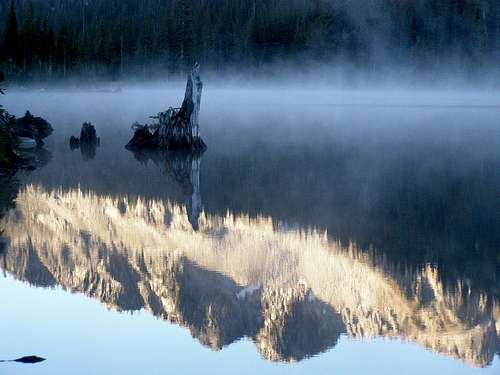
x=321, y=232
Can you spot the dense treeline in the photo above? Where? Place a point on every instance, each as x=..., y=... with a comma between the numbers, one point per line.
x=110, y=38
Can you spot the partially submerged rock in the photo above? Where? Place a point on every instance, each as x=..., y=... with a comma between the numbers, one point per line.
x=88, y=134
x=177, y=129
x=87, y=142
x=33, y=127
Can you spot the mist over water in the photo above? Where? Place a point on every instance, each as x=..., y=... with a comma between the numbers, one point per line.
x=330, y=189
x=345, y=217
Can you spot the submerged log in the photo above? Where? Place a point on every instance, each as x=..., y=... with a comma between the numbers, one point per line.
x=177, y=128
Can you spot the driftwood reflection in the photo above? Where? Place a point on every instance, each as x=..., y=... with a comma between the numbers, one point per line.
x=184, y=168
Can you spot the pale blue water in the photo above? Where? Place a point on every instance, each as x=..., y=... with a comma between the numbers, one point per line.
x=79, y=335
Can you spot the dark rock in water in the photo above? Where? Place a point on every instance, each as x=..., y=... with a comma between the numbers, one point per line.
x=33, y=127
x=88, y=134
x=87, y=142
x=177, y=128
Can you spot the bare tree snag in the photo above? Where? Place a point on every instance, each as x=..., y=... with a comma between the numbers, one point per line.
x=177, y=128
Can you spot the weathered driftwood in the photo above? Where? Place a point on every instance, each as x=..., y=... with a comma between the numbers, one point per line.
x=177, y=128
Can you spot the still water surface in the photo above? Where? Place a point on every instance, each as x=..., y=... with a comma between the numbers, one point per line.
x=321, y=232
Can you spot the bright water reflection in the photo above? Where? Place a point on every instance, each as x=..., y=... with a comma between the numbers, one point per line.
x=380, y=229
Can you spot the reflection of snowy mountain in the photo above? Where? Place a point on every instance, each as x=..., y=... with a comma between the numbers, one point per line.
x=294, y=292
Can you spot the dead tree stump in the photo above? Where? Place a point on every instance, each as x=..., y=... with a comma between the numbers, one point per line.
x=177, y=129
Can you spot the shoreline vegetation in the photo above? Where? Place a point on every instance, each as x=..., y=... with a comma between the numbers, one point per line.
x=8, y=157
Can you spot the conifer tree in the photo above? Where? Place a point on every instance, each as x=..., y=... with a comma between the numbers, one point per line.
x=28, y=38
x=11, y=40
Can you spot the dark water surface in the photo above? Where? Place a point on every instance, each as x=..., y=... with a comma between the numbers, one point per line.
x=321, y=232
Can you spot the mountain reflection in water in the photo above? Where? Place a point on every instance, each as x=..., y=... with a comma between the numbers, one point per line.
x=386, y=225
x=292, y=291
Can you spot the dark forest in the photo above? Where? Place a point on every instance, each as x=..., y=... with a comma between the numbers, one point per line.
x=47, y=39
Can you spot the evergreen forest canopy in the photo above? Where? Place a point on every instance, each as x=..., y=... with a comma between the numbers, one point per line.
x=48, y=39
